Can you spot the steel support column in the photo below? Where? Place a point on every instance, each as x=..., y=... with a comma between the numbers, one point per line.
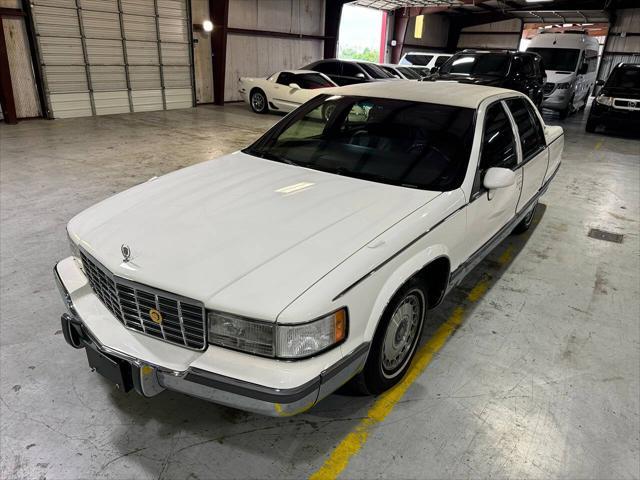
x=219, y=12
x=332, y=15
x=6, y=89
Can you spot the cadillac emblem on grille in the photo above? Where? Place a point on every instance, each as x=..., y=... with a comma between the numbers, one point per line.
x=155, y=316
x=126, y=252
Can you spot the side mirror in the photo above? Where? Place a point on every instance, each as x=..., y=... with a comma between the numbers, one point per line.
x=497, y=177
x=360, y=75
x=599, y=83
x=295, y=86
x=584, y=68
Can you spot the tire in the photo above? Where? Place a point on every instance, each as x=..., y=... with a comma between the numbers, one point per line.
x=526, y=222
x=258, y=101
x=590, y=126
x=327, y=110
x=394, y=343
x=566, y=111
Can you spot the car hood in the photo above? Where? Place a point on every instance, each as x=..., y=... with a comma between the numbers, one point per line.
x=621, y=92
x=240, y=233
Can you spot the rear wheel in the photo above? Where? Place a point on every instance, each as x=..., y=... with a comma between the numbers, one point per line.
x=258, y=101
x=395, y=341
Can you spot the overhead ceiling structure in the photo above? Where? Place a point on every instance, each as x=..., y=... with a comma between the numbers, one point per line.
x=530, y=11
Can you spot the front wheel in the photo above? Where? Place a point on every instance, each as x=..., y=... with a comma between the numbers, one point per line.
x=258, y=102
x=526, y=222
x=395, y=341
x=566, y=111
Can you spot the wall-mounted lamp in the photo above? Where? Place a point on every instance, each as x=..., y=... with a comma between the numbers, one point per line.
x=207, y=25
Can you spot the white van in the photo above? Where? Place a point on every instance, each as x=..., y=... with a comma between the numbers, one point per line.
x=570, y=60
x=426, y=60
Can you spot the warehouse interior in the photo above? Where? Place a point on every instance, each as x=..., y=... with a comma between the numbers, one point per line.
x=540, y=375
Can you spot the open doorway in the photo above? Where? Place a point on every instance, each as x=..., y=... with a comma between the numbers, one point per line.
x=362, y=34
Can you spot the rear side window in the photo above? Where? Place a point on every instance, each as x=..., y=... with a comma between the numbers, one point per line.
x=529, y=128
x=498, y=142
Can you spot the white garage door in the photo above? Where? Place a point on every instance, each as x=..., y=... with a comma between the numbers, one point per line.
x=114, y=56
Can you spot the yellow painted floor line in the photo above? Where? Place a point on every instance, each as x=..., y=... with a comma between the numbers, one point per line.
x=354, y=441
x=598, y=145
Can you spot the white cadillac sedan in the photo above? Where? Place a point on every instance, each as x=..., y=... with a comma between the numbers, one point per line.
x=266, y=279
x=283, y=91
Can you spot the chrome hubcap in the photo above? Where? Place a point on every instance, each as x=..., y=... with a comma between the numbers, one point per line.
x=401, y=333
x=257, y=100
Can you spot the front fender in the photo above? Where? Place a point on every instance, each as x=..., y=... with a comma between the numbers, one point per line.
x=402, y=273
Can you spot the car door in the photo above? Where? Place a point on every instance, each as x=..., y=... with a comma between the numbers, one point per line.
x=533, y=147
x=280, y=92
x=489, y=211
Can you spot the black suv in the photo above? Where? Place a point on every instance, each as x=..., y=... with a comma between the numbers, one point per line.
x=618, y=102
x=521, y=71
x=347, y=72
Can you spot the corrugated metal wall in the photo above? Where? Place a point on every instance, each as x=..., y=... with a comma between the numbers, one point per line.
x=259, y=56
x=114, y=56
x=435, y=32
x=623, y=44
x=497, y=35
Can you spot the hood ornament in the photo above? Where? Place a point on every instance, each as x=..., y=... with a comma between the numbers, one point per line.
x=126, y=252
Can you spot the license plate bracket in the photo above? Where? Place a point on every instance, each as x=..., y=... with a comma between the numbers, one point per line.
x=114, y=369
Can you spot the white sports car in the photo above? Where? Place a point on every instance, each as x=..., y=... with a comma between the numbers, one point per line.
x=266, y=279
x=283, y=91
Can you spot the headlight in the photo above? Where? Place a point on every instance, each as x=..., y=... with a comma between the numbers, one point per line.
x=75, y=251
x=606, y=101
x=274, y=340
x=564, y=86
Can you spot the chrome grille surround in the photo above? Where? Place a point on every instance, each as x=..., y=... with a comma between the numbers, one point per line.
x=548, y=88
x=184, y=320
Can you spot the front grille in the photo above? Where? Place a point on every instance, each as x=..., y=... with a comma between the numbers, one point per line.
x=548, y=88
x=183, y=319
x=627, y=104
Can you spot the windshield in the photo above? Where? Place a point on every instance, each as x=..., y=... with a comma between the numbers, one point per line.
x=375, y=71
x=470, y=64
x=559, y=59
x=398, y=142
x=625, y=77
x=390, y=70
x=313, y=80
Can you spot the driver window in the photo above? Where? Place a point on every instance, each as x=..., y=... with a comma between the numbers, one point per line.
x=285, y=78
x=498, y=141
x=350, y=70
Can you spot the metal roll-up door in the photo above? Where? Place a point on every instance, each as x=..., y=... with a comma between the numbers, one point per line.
x=114, y=56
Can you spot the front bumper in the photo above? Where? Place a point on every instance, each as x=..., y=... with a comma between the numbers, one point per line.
x=149, y=375
x=558, y=100
x=614, y=118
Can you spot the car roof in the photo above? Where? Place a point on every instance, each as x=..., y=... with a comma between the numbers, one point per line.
x=297, y=71
x=440, y=92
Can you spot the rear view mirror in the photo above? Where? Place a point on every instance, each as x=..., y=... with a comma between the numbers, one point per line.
x=497, y=177
x=294, y=85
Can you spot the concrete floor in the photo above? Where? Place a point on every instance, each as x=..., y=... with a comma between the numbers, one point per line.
x=541, y=380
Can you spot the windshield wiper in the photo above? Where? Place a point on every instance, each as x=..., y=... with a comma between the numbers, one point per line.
x=271, y=156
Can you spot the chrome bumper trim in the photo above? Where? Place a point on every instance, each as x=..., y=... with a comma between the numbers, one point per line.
x=215, y=387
